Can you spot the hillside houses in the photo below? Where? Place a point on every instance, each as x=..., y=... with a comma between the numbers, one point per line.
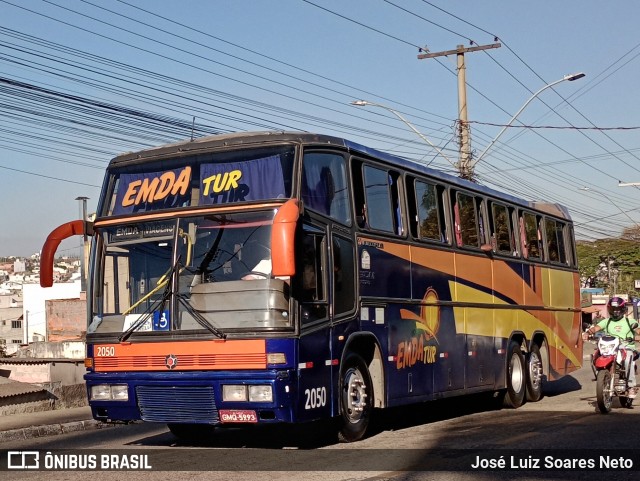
x=23, y=301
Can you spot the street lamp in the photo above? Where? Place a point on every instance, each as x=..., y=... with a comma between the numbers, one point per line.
x=364, y=103
x=612, y=203
x=570, y=78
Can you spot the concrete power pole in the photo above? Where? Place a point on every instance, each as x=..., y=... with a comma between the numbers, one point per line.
x=465, y=168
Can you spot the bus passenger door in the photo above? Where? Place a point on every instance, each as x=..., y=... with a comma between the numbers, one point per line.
x=311, y=286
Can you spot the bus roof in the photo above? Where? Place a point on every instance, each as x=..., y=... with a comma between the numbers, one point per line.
x=250, y=139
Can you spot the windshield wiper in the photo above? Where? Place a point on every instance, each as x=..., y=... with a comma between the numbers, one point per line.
x=148, y=313
x=160, y=303
x=200, y=319
x=210, y=253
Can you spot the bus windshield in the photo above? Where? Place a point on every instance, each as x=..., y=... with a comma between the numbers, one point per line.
x=178, y=275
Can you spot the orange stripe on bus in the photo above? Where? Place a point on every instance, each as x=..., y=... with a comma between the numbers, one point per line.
x=182, y=213
x=186, y=356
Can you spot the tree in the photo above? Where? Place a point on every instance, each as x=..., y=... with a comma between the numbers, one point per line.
x=613, y=262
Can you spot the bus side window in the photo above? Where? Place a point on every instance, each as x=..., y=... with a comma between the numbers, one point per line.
x=425, y=206
x=524, y=247
x=554, y=231
x=324, y=185
x=532, y=236
x=396, y=209
x=312, y=293
x=344, y=289
x=501, y=229
x=468, y=220
x=571, y=252
x=358, y=194
x=377, y=193
x=552, y=242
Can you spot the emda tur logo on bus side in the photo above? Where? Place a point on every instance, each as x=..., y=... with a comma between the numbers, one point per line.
x=171, y=361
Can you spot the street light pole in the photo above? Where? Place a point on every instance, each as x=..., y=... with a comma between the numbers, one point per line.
x=570, y=78
x=85, y=247
x=364, y=103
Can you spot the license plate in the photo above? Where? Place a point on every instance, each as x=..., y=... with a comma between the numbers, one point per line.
x=237, y=416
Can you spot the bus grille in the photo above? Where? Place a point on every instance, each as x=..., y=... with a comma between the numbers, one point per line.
x=173, y=404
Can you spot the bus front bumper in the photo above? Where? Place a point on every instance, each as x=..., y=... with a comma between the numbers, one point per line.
x=213, y=398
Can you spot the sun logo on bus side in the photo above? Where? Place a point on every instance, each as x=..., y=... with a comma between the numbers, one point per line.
x=430, y=313
x=429, y=318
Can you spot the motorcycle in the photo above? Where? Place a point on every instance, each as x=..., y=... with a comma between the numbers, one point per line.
x=608, y=365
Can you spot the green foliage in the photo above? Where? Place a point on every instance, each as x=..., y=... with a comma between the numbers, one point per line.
x=612, y=263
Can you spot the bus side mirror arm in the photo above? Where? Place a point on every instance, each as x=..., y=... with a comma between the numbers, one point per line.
x=283, y=239
x=60, y=233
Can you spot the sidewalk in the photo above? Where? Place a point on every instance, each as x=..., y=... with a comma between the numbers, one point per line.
x=46, y=423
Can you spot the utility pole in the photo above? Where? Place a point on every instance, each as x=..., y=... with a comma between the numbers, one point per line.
x=464, y=164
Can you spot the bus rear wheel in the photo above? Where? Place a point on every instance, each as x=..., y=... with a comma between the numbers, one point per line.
x=516, y=376
x=356, y=398
x=535, y=372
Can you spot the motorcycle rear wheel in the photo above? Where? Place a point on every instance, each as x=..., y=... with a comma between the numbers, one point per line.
x=604, y=396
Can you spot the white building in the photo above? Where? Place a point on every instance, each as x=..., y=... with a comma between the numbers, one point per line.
x=19, y=266
x=34, y=314
x=11, y=322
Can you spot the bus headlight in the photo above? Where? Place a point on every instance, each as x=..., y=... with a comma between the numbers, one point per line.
x=101, y=392
x=260, y=394
x=242, y=393
x=106, y=392
x=233, y=392
x=120, y=392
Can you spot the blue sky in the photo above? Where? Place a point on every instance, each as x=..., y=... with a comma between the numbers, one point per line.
x=296, y=65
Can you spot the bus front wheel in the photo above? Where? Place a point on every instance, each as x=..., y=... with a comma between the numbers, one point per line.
x=356, y=399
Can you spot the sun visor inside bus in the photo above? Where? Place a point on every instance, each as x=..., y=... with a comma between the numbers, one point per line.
x=231, y=182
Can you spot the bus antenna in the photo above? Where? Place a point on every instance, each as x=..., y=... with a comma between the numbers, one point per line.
x=193, y=124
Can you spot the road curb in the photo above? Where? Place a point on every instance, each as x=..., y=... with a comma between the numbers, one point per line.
x=21, y=434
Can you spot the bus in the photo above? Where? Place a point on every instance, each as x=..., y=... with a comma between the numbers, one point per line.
x=286, y=277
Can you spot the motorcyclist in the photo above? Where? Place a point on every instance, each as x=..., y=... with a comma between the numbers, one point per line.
x=619, y=325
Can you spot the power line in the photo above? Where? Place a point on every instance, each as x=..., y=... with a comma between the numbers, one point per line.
x=553, y=127
x=48, y=176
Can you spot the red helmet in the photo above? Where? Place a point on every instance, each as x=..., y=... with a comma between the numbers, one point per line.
x=617, y=308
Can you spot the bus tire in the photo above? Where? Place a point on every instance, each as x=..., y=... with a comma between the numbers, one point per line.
x=516, y=376
x=192, y=432
x=535, y=374
x=356, y=399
